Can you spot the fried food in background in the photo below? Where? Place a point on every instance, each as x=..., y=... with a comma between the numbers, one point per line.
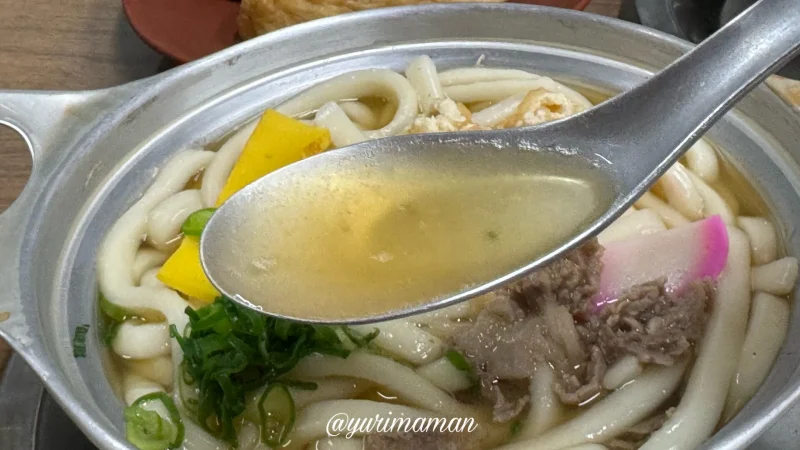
x=257, y=17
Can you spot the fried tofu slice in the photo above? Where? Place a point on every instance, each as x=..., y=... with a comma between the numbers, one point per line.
x=257, y=17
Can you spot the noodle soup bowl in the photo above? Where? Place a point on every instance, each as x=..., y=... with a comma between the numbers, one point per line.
x=94, y=153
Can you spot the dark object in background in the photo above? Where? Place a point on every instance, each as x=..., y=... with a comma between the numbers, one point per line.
x=692, y=20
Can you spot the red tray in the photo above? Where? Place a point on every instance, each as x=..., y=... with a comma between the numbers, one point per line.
x=186, y=30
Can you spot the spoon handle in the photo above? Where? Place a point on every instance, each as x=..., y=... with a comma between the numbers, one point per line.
x=652, y=125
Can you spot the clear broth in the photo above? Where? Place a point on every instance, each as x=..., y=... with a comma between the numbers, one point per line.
x=357, y=242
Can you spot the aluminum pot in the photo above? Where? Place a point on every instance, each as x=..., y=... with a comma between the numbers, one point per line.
x=95, y=152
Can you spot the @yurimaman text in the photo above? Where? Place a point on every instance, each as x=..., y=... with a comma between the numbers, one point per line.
x=342, y=424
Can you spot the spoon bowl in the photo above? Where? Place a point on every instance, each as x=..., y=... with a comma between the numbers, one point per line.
x=453, y=253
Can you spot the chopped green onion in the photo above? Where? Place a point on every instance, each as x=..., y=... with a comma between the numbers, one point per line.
x=229, y=351
x=187, y=391
x=361, y=341
x=79, y=341
x=326, y=334
x=112, y=315
x=516, y=427
x=120, y=314
x=458, y=360
x=276, y=410
x=108, y=331
x=196, y=222
x=326, y=340
x=146, y=429
x=114, y=312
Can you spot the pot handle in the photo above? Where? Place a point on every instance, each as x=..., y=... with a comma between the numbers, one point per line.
x=47, y=121
x=35, y=115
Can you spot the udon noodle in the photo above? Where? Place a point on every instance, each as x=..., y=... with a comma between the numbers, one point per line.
x=536, y=365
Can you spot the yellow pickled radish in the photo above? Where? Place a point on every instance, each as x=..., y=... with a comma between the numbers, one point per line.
x=277, y=141
x=183, y=272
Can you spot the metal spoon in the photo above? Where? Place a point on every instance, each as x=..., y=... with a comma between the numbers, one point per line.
x=634, y=137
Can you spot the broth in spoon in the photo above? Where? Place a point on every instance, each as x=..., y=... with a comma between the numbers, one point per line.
x=367, y=239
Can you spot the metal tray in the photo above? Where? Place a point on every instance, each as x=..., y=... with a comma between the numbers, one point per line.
x=31, y=420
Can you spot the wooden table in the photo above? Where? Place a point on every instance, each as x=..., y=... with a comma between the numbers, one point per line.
x=74, y=45
x=62, y=44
